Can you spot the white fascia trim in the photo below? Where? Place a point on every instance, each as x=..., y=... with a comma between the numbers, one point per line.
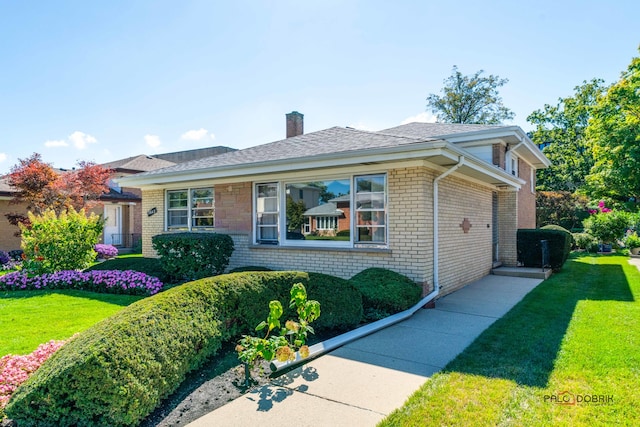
x=472, y=137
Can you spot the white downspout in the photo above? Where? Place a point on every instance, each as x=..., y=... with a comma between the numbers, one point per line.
x=436, y=215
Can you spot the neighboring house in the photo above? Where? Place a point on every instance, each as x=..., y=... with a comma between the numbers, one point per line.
x=120, y=207
x=440, y=203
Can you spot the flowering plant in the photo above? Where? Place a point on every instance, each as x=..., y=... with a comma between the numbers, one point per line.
x=103, y=281
x=14, y=370
x=601, y=208
x=105, y=251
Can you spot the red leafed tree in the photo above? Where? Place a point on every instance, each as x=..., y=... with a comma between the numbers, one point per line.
x=41, y=187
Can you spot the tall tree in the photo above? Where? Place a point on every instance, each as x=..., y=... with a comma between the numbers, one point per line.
x=614, y=132
x=40, y=187
x=562, y=129
x=470, y=99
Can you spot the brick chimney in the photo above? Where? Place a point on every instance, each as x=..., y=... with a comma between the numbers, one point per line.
x=295, y=124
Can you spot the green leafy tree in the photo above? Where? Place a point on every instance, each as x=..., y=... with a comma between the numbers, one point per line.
x=295, y=214
x=470, y=99
x=60, y=242
x=561, y=208
x=614, y=132
x=563, y=127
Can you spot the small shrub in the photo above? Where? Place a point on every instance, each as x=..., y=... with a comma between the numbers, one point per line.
x=149, y=266
x=60, y=242
x=105, y=251
x=632, y=241
x=116, y=372
x=193, y=255
x=106, y=281
x=585, y=241
x=249, y=268
x=530, y=248
x=385, y=291
x=343, y=233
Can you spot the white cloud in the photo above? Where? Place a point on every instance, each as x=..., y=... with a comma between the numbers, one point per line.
x=56, y=143
x=81, y=139
x=362, y=126
x=3, y=157
x=196, y=135
x=212, y=136
x=422, y=118
x=152, y=141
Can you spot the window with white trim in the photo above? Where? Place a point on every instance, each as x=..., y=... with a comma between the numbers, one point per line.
x=319, y=212
x=191, y=209
x=267, y=213
x=371, y=209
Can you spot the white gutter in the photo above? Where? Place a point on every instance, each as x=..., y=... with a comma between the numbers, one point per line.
x=436, y=221
x=335, y=342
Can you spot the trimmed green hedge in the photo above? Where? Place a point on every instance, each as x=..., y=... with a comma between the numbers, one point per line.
x=340, y=302
x=249, y=268
x=530, y=248
x=559, y=228
x=118, y=371
x=385, y=292
x=193, y=255
x=149, y=266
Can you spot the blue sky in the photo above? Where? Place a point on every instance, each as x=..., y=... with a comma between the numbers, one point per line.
x=99, y=81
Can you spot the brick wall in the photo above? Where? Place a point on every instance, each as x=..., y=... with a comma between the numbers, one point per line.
x=508, y=222
x=8, y=241
x=464, y=257
x=526, y=198
x=499, y=151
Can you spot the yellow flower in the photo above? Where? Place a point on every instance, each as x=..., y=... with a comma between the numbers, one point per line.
x=284, y=353
x=304, y=351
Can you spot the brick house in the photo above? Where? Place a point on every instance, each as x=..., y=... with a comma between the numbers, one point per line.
x=440, y=203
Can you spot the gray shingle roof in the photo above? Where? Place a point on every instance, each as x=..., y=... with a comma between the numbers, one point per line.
x=436, y=130
x=140, y=163
x=328, y=141
x=328, y=209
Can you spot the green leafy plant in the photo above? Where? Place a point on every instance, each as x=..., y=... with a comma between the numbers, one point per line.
x=60, y=242
x=280, y=345
x=607, y=226
x=632, y=241
x=585, y=241
x=193, y=256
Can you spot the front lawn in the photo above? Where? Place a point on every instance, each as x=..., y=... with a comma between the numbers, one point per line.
x=566, y=355
x=30, y=318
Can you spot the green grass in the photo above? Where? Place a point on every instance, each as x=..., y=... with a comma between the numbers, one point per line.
x=30, y=318
x=578, y=332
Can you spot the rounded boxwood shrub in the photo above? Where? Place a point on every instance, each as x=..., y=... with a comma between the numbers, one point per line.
x=530, y=248
x=340, y=302
x=116, y=372
x=385, y=292
x=558, y=228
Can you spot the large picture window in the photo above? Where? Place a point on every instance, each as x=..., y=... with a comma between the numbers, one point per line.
x=320, y=212
x=191, y=209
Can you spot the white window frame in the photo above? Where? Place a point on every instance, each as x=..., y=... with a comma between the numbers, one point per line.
x=189, y=208
x=354, y=212
x=326, y=222
x=277, y=226
x=282, y=220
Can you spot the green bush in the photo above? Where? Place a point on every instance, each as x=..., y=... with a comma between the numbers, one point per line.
x=118, y=371
x=60, y=242
x=149, y=266
x=530, y=248
x=559, y=228
x=340, y=302
x=249, y=268
x=585, y=241
x=607, y=227
x=632, y=241
x=343, y=233
x=193, y=255
x=385, y=292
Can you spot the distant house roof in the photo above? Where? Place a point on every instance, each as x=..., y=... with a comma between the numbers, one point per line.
x=437, y=130
x=189, y=155
x=343, y=198
x=140, y=163
x=5, y=188
x=328, y=209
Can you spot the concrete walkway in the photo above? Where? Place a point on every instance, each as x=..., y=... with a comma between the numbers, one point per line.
x=362, y=382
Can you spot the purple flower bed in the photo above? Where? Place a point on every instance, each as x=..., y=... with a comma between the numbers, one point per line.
x=106, y=251
x=104, y=281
